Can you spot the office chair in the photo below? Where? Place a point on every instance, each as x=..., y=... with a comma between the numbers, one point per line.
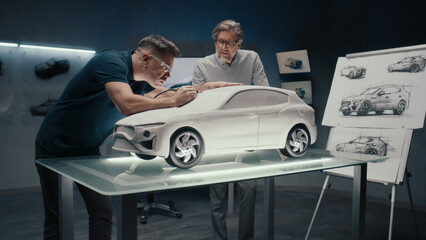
x=149, y=205
x=151, y=170
x=148, y=171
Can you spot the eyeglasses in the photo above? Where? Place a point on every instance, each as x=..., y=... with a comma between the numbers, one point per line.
x=166, y=67
x=220, y=43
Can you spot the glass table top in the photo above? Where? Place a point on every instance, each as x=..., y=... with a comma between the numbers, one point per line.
x=126, y=174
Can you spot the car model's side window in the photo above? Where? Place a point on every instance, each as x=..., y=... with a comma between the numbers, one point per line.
x=249, y=98
x=274, y=98
x=255, y=98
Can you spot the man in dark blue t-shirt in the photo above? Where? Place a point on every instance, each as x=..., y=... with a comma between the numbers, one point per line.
x=109, y=87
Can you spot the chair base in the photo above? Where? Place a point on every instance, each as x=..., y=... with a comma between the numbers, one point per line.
x=168, y=208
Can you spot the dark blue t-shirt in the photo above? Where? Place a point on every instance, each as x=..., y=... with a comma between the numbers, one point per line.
x=84, y=115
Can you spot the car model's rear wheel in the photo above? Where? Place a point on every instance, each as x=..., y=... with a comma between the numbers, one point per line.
x=402, y=105
x=297, y=142
x=364, y=109
x=414, y=68
x=371, y=151
x=186, y=149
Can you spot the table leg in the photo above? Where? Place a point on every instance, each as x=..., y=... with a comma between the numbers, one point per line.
x=268, y=208
x=358, y=201
x=66, y=224
x=127, y=214
x=231, y=198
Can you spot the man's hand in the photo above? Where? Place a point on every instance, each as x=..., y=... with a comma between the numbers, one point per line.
x=184, y=94
x=211, y=85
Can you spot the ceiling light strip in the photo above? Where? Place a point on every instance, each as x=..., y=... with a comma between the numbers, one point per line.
x=56, y=48
x=4, y=44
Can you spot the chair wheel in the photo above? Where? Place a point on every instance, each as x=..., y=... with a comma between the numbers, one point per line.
x=179, y=215
x=143, y=220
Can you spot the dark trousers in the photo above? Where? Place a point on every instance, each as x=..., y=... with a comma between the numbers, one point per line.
x=218, y=201
x=99, y=207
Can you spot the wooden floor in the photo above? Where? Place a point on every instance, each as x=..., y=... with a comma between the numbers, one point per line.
x=21, y=217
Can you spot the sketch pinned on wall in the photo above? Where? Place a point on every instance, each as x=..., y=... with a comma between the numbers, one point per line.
x=302, y=88
x=293, y=62
x=182, y=72
x=381, y=97
x=392, y=143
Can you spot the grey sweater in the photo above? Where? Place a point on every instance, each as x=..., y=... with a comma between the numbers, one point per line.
x=246, y=68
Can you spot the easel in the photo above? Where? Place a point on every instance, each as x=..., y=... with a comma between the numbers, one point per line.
x=402, y=171
x=407, y=176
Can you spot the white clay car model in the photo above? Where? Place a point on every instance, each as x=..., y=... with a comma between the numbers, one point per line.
x=220, y=120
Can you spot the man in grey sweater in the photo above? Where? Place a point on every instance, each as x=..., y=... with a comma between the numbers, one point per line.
x=231, y=64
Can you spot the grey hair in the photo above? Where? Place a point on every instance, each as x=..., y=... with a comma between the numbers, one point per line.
x=159, y=45
x=228, y=25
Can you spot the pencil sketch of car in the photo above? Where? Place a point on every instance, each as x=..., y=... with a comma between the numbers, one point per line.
x=225, y=119
x=353, y=71
x=293, y=63
x=365, y=145
x=377, y=99
x=408, y=64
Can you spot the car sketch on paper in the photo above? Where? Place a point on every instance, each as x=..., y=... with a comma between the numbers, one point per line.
x=377, y=99
x=224, y=119
x=353, y=71
x=293, y=63
x=365, y=145
x=408, y=64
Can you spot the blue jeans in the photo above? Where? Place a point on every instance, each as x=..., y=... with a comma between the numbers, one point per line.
x=99, y=207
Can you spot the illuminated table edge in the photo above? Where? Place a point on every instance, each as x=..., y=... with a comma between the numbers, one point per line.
x=352, y=162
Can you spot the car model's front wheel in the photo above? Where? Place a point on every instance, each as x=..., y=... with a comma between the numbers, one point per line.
x=351, y=75
x=402, y=105
x=297, y=142
x=186, y=149
x=364, y=109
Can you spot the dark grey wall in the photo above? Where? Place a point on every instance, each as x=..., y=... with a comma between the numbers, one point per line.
x=327, y=29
